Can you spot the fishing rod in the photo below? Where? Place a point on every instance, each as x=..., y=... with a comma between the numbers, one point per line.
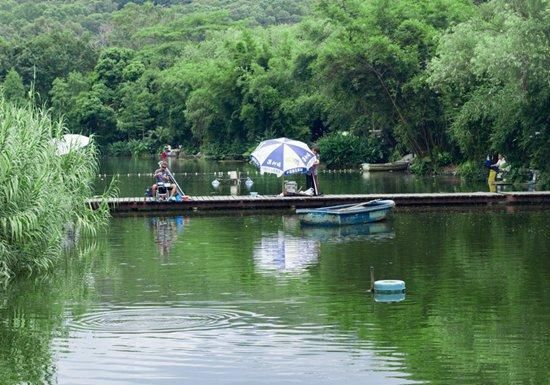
x=180, y=191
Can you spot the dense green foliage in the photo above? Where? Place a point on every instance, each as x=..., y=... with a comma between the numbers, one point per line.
x=495, y=68
x=42, y=194
x=348, y=150
x=438, y=79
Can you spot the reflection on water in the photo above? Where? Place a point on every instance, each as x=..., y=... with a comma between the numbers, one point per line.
x=297, y=247
x=257, y=299
x=166, y=230
x=210, y=344
x=285, y=252
x=372, y=231
x=388, y=298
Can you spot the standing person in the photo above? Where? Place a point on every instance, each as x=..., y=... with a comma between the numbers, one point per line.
x=501, y=163
x=163, y=155
x=315, y=169
x=490, y=163
x=162, y=177
x=313, y=172
x=502, y=168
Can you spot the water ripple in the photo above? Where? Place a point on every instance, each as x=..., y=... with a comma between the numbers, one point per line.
x=159, y=319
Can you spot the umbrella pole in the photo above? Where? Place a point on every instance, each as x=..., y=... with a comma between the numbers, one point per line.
x=314, y=180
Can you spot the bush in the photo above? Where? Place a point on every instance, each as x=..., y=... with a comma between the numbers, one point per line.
x=140, y=147
x=431, y=164
x=349, y=151
x=421, y=166
x=132, y=147
x=119, y=149
x=472, y=171
x=233, y=150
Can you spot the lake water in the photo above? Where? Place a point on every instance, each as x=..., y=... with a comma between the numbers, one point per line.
x=195, y=178
x=254, y=298
x=257, y=299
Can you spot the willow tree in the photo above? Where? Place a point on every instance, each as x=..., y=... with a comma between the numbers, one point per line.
x=42, y=194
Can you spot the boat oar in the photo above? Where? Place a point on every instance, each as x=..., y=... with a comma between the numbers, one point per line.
x=180, y=191
x=357, y=205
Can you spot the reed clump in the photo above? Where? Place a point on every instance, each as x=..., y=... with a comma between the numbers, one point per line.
x=42, y=194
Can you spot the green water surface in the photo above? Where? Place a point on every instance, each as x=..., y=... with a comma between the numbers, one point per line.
x=258, y=299
x=195, y=176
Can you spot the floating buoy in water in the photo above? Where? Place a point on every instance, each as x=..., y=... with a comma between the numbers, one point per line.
x=389, y=286
x=387, y=290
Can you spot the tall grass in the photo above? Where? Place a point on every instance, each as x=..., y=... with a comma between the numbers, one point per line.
x=42, y=194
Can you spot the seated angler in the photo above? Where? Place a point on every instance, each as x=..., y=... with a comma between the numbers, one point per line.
x=163, y=179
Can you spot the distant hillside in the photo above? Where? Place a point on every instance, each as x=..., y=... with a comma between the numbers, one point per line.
x=24, y=18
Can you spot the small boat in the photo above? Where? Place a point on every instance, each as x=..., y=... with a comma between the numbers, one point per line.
x=349, y=214
x=393, y=166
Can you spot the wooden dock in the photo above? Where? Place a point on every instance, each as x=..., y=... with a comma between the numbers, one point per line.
x=270, y=202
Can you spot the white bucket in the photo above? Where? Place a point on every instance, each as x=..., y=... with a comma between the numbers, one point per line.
x=291, y=187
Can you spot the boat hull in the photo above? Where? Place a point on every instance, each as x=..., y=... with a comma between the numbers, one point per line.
x=368, y=212
x=395, y=166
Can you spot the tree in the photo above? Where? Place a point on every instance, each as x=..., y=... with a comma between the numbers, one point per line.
x=111, y=66
x=94, y=117
x=134, y=116
x=13, y=88
x=43, y=58
x=63, y=96
x=494, y=71
x=372, y=66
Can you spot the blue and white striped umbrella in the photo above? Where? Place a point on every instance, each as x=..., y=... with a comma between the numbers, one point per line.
x=283, y=156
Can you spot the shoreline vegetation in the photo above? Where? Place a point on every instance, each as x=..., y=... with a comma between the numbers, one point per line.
x=367, y=81
x=42, y=194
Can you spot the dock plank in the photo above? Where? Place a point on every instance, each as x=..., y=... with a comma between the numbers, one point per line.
x=245, y=202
